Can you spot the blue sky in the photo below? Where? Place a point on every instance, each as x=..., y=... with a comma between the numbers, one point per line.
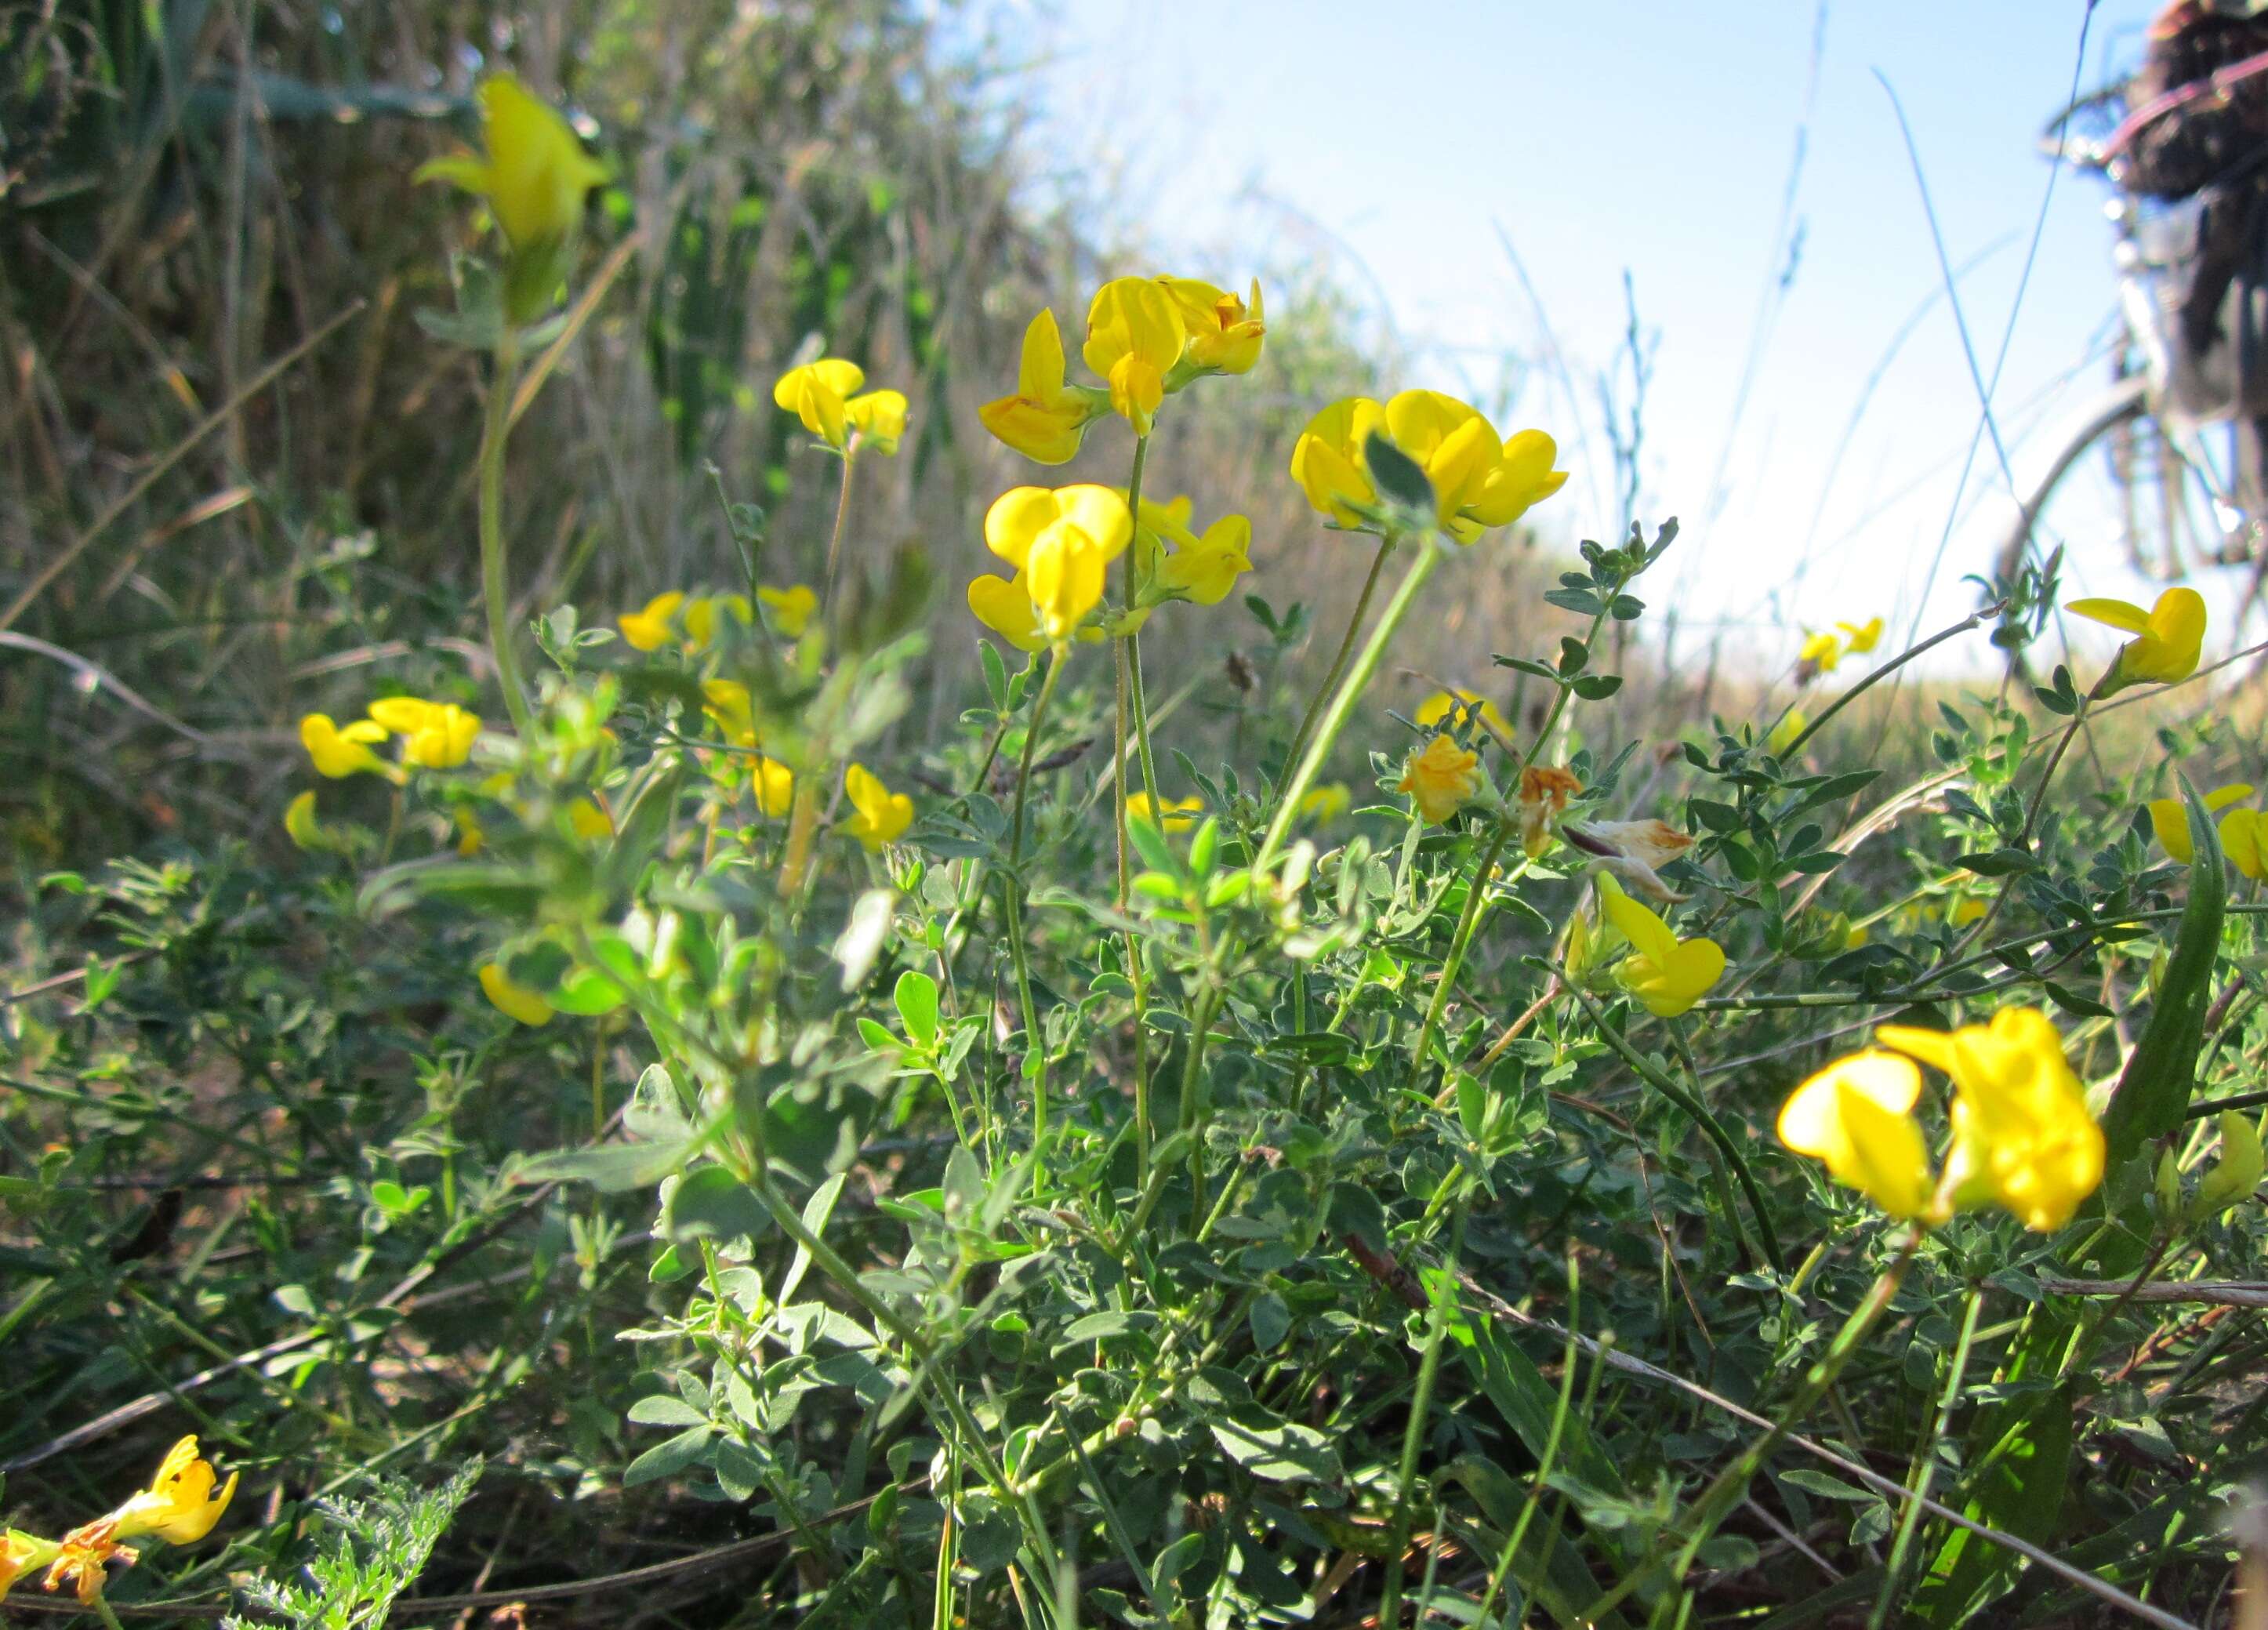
x=1654, y=137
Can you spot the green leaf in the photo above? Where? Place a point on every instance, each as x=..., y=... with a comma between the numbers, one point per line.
x=915, y=995
x=1400, y=479
x=1597, y=686
x=1270, y=1319
x=668, y=1459
x=2154, y=1090
x=712, y=1203
x=1276, y=1450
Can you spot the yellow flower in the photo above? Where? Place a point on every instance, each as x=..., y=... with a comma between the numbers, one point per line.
x=2168, y=637
x=1224, y=332
x=1327, y=803
x=882, y=815
x=1456, y=446
x=1856, y=1116
x=1522, y=478
x=2170, y=819
x=649, y=630
x=816, y=393
x=80, y=1559
x=515, y=1001
x=791, y=607
x=1860, y=637
x=1133, y=335
x=179, y=1505
x=727, y=701
x=299, y=823
x=1180, y=814
x=1440, y=777
x=879, y=418
x=535, y=173
x=1005, y=607
x=1326, y=461
x=1544, y=790
x=701, y=617
x=2244, y=840
x=1046, y=419
x=1437, y=707
x=774, y=786
x=2024, y=1138
x=1668, y=974
x=2237, y=1173
x=1201, y=570
x=588, y=822
x=1061, y=540
x=22, y=1553
x=338, y=752
x=471, y=837
x=439, y=736
x=1820, y=654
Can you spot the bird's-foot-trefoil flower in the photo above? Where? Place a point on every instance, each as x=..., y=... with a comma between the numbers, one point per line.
x=1005, y=606
x=301, y=827
x=534, y=177
x=1171, y=816
x=1665, y=974
x=2244, y=840
x=21, y=1554
x=1441, y=778
x=2170, y=819
x=436, y=736
x=1821, y=654
x=1544, y=790
x=1457, y=447
x=1856, y=1116
x=1524, y=476
x=1134, y=337
x=1633, y=852
x=825, y=396
x=791, y=607
x=1858, y=639
x=516, y=1001
x=648, y=628
x=1327, y=460
x=1046, y=419
x=882, y=815
x=1061, y=542
x=341, y=750
x=1177, y=563
x=773, y=785
x=181, y=1505
x=588, y=822
x=2168, y=638
x=1326, y=803
x=2237, y=1174
x=1224, y=331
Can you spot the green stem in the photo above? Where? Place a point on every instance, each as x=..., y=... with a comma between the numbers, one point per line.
x=1130, y=642
x=1350, y=691
x=1144, y=1133
x=1925, y=1462
x=1413, y=1434
x=1467, y=920
x=1974, y=620
x=1035, y=1047
x=842, y=514
x=495, y=430
x=1346, y=646
x=1032, y=740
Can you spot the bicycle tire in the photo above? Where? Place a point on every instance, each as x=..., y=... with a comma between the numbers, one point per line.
x=2124, y=403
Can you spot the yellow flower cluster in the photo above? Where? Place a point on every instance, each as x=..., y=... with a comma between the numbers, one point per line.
x=2167, y=640
x=180, y=1506
x=1824, y=651
x=2022, y=1137
x=435, y=735
x=1665, y=974
x=1146, y=337
x=1479, y=483
x=1061, y=541
x=692, y=621
x=1441, y=778
x=2243, y=832
x=825, y=395
x=535, y=172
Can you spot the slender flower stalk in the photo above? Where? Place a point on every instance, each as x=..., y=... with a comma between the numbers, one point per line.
x=1346, y=646
x=495, y=588
x=842, y=515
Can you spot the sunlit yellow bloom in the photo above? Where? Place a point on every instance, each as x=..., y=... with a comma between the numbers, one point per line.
x=1326, y=461
x=2237, y=1173
x=791, y=607
x=299, y=823
x=1065, y=578
x=1046, y=419
x=1544, y=790
x=649, y=630
x=179, y=1505
x=1783, y=734
x=879, y=418
x=1133, y=336
x=1856, y=1116
x=437, y=735
x=339, y=752
x=701, y=617
x=2244, y=840
x=1524, y=476
x=1062, y=541
x=817, y=393
x=2168, y=637
x=727, y=701
x=1327, y=803
x=1860, y=637
x=1199, y=568
x=1821, y=653
x=1668, y=974
x=1007, y=609
x=1966, y=910
x=516, y=1001
x=774, y=786
x=22, y=1553
x=587, y=821
x=2022, y=1137
x=1180, y=814
x=1457, y=447
x=1441, y=777
x=1633, y=851
x=535, y=173
x=1437, y=707
x=1224, y=332
x=882, y=815
x=2169, y=818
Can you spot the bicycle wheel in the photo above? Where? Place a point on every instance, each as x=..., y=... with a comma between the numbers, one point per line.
x=2124, y=486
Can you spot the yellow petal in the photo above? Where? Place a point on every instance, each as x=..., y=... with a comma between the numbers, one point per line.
x=515, y=1001
x=1809, y=1121
x=2116, y=613
x=1640, y=926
